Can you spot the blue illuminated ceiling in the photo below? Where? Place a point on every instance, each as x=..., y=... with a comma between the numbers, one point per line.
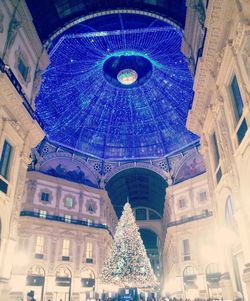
x=82, y=104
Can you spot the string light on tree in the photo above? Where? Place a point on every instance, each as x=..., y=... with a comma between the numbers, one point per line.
x=128, y=264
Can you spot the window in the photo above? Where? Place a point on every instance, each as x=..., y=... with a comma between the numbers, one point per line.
x=203, y=196
x=141, y=214
x=22, y=68
x=236, y=99
x=182, y=203
x=90, y=222
x=87, y=278
x=39, y=245
x=89, y=250
x=215, y=150
x=205, y=212
x=186, y=249
x=42, y=213
x=5, y=160
x=45, y=196
x=153, y=215
x=213, y=273
x=65, y=249
x=69, y=202
x=189, y=272
x=67, y=218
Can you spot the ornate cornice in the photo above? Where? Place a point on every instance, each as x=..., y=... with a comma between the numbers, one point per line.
x=215, y=18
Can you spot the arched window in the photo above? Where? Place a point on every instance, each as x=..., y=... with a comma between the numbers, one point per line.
x=63, y=276
x=35, y=276
x=87, y=278
x=213, y=273
x=189, y=274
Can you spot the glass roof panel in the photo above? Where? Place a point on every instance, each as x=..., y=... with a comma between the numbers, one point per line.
x=83, y=104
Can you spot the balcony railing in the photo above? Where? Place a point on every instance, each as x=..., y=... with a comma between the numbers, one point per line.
x=6, y=69
x=62, y=219
x=190, y=219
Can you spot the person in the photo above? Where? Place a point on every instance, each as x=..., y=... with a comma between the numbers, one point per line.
x=30, y=296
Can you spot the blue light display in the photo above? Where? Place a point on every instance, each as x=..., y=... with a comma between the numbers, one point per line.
x=82, y=107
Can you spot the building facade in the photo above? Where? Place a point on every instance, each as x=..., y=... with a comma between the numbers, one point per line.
x=220, y=115
x=190, y=260
x=22, y=57
x=57, y=220
x=64, y=234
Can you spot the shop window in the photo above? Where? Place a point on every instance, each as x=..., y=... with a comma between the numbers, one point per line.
x=87, y=278
x=36, y=276
x=213, y=273
x=189, y=274
x=63, y=277
x=67, y=218
x=42, y=213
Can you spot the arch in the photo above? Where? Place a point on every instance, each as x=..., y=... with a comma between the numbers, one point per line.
x=63, y=276
x=191, y=165
x=212, y=268
x=132, y=165
x=48, y=43
x=36, y=270
x=87, y=277
x=189, y=271
x=148, y=213
x=63, y=271
x=35, y=275
x=189, y=274
x=141, y=186
x=76, y=167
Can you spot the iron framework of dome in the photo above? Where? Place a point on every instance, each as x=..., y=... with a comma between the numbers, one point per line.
x=83, y=104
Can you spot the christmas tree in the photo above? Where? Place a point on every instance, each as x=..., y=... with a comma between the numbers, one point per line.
x=128, y=264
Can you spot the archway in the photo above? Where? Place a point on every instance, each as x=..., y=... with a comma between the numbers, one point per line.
x=141, y=186
x=189, y=282
x=88, y=283
x=35, y=281
x=62, y=284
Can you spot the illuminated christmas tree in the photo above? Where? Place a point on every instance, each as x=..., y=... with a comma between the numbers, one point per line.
x=127, y=264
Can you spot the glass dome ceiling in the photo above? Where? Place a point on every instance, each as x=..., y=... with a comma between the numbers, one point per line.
x=122, y=93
